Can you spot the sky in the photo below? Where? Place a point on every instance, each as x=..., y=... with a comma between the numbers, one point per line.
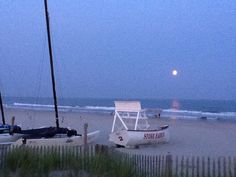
x=120, y=48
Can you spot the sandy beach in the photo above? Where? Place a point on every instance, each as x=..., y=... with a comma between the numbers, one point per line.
x=187, y=137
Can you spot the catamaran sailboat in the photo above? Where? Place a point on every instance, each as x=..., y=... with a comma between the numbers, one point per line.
x=130, y=126
x=6, y=130
x=53, y=136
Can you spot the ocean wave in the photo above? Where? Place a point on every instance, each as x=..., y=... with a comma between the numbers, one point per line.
x=100, y=108
x=61, y=108
x=28, y=105
x=181, y=111
x=186, y=114
x=165, y=113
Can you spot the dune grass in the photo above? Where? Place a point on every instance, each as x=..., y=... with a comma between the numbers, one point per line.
x=28, y=162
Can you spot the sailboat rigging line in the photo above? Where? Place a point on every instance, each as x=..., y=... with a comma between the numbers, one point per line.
x=40, y=71
x=51, y=63
x=2, y=111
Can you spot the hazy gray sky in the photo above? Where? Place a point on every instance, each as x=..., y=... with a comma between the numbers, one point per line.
x=120, y=48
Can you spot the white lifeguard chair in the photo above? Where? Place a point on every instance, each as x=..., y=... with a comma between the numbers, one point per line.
x=129, y=116
x=130, y=126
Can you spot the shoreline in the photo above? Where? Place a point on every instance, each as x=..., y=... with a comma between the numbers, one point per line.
x=187, y=137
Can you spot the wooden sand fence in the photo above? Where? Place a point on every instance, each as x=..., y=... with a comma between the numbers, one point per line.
x=183, y=166
x=146, y=165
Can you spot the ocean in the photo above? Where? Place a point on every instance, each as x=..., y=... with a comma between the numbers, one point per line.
x=170, y=108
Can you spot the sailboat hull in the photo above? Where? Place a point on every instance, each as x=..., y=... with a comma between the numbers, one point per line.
x=6, y=138
x=58, y=140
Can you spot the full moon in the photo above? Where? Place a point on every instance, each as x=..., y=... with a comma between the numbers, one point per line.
x=174, y=72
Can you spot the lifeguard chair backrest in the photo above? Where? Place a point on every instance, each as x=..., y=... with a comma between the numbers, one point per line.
x=128, y=106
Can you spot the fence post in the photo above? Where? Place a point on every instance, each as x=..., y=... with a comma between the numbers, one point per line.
x=153, y=167
x=85, y=133
x=198, y=173
x=163, y=166
x=187, y=167
x=229, y=167
x=219, y=168
x=182, y=167
x=193, y=166
x=145, y=165
x=176, y=166
x=214, y=168
x=101, y=149
x=168, y=165
x=208, y=167
x=5, y=149
x=159, y=166
x=234, y=166
x=224, y=167
x=140, y=163
x=203, y=166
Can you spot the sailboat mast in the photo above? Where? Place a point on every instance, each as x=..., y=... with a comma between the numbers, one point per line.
x=2, y=111
x=51, y=63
